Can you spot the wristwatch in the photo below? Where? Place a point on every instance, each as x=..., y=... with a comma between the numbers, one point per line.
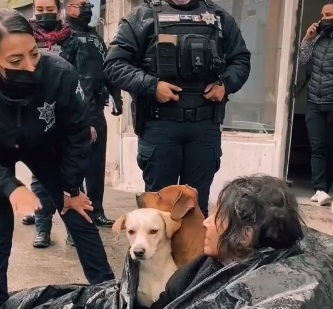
x=73, y=192
x=220, y=80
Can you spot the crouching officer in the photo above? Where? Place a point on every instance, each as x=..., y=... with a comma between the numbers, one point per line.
x=179, y=59
x=89, y=63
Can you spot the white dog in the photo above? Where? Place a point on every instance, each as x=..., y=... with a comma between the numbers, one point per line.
x=149, y=232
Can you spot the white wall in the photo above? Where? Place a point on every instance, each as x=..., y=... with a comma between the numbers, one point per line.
x=242, y=155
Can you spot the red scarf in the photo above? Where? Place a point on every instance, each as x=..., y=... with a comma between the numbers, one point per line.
x=50, y=38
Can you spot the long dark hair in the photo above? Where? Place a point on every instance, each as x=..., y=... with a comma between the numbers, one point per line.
x=263, y=204
x=11, y=21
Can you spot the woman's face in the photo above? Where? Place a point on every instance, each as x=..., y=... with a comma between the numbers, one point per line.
x=213, y=233
x=45, y=6
x=18, y=52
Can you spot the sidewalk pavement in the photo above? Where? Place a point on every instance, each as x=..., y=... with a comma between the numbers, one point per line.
x=59, y=264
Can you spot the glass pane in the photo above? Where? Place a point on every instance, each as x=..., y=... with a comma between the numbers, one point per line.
x=253, y=108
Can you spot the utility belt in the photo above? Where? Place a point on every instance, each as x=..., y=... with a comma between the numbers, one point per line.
x=182, y=114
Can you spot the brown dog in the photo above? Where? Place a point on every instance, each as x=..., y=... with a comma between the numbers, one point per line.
x=182, y=203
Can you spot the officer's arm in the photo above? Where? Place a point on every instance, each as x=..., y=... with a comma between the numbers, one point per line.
x=238, y=57
x=8, y=182
x=72, y=114
x=122, y=61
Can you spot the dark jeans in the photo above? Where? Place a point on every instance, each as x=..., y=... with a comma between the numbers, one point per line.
x=86, y=236
x=319, y=121
x=95, y=176
x=95, y=181
x=186, y=153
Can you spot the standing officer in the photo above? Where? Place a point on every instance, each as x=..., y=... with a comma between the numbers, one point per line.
x=179, y=59
x=89, y=63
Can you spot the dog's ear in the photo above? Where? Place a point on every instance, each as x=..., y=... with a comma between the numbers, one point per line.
x=171, y=225
x=119, y=224
x=183, y=204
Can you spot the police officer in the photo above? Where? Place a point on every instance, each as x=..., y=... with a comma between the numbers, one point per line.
x=44, y=123
x=51, y=35
x=179, y=59
x=89, y=63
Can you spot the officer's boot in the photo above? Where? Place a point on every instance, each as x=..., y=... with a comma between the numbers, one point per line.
x=42, y=240
x=28, y=220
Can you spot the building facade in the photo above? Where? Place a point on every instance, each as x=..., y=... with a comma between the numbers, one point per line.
x=255, y=136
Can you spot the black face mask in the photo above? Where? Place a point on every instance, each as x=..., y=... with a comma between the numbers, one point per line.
x=19, y=84
x=47, y=21
x=85, y=14
x=326, y=26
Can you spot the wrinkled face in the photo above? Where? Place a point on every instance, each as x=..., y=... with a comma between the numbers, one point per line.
x=213, y=233
x=45, y=6
x=18, y=52
x=146, y=232
x=327, y=11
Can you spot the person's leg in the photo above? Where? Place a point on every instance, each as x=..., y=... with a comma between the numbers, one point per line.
x=6, y=236
x=316, y=124
x=201, y=159
x=95, y=176
x=43, y=218
x=160, y=154
x=86, y=236
x=329, y=140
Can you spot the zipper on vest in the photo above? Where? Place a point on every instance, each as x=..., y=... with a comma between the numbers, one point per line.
x=322, y=66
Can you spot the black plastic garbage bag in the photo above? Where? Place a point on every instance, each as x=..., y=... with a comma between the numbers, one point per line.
x=113, y=294
x=301, y=277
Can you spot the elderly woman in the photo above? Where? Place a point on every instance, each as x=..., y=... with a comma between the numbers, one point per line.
x=251, y=215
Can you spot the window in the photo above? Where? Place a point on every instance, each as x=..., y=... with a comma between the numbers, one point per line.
x=261, y=23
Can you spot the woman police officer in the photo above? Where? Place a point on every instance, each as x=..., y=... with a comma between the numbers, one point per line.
x=44, y=123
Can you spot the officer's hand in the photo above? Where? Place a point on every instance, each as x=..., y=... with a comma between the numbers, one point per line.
x=214, y=92
x=93, y=134
x=311, y=33
x=24, y=202
x=80, y=204
x=165, y=92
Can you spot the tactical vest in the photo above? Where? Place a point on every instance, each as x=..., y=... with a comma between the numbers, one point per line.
x=187, y=49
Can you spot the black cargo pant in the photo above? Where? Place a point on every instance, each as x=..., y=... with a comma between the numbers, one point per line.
x=95, y=178
x=172, y=153
x=86, y=236
x=319, y=121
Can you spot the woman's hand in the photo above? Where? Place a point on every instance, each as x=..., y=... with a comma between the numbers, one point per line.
x=24, y=202
x=80, y=204
x=311, y=33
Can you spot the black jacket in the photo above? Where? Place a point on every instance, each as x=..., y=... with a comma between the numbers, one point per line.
x=91, y=54
x=54, y=126
x=136, y=32
x=320, y=87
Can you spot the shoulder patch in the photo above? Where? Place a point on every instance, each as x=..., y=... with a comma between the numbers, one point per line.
x=79, y=93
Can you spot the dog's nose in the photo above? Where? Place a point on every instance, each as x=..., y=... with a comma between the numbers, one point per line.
x=139, y=253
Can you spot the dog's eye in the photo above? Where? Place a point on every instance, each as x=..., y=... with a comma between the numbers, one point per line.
x=153, y=231
x=131, y=232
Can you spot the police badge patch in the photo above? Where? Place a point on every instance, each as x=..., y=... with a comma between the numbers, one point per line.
x=208, y=18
